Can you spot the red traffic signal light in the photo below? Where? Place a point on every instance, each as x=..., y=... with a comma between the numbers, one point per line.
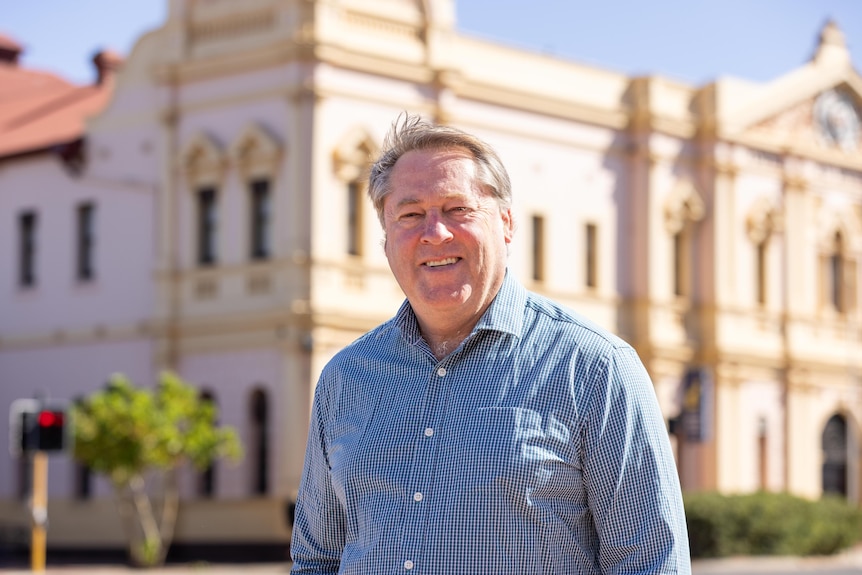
x=51, y=419
x=52, y=432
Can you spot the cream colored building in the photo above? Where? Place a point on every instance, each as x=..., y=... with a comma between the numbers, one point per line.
x=717, y=228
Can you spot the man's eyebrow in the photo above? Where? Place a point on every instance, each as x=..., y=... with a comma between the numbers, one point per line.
x=456, y=196
x=407, y=202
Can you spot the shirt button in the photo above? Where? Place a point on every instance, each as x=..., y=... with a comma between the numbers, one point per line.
x=408, y=564
x=417, y=497
x=429, y=432
x=441, y=372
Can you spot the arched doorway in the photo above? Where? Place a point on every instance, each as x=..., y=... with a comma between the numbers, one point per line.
x=834, y=445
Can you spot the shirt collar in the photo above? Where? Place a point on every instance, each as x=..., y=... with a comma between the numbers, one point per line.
x=505, y=314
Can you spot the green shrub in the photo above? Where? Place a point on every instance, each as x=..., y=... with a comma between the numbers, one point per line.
x=769, y=524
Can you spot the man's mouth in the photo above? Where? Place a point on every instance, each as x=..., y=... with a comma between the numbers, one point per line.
x=444, y=262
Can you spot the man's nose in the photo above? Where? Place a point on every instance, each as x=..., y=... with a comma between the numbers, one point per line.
x=436, y=231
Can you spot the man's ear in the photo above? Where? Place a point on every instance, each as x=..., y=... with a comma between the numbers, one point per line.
x=508, y=224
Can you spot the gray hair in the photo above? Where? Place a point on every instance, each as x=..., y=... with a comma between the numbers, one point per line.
x=410, y=132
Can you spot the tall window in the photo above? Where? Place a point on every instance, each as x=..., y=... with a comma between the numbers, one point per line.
x=838, y=276
x=836, y=273
x=207, y=226
x=261, y=220
x=206, y=478
x=86, y=244
x=27, y=224
x=83, y=481
x=354, y=218
x=538, y=248
x=762, y=454
x=259, y=448
x=760, y=266
x=591, y=256
x=834, y=445
x=680, y=263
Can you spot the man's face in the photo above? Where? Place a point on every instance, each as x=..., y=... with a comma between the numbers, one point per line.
x=446, y=238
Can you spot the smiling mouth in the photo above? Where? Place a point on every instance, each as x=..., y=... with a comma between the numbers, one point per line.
x=438, y=263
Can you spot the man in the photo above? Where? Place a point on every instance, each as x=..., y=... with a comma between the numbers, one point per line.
x=483, y=429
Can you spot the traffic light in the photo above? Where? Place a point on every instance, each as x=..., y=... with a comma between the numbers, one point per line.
x=38, y=426
x=51, y=424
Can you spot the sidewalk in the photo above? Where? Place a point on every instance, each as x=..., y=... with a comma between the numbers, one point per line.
x=183, y=569
x=850, y=558
x=847, y=559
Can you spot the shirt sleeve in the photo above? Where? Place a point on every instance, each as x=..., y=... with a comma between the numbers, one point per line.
x=630, y=475
x=319, y=523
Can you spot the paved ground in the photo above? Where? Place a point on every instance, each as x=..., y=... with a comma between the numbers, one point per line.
x=849, y=562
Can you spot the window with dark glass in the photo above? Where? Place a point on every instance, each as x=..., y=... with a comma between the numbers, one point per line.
x=538, y=248
x=261, y=220
x=838, y=276
x=354, y=218
x=83, y=481
x=760, y=271
x=207, y=226
x=591, y=256
x=86, y=244
x=206, y=478
x=680, y=261
x=27, y=223
x=259, y=444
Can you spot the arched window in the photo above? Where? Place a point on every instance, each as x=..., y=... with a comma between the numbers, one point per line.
x=764, y=219
x=259, y=441
x=257, y=154
x=351, y=159
x=834, y=445
x=203, y=159
x=683, y=209
x=206, y=478
x=838, y=274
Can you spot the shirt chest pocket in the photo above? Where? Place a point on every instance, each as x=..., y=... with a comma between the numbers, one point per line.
x=516, y=447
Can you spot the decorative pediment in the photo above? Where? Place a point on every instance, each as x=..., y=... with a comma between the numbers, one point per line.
x=255, y=141
x=353, y=154
x=830, y=120
x=815, y=108
x=203, y=157
x=256, y=150
x=764, y=218
x=835, y=219
x=683, y=205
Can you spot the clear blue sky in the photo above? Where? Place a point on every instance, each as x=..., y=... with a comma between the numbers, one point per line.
x=691, y=40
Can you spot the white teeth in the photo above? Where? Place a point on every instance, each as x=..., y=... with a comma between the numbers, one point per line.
x=445, y=262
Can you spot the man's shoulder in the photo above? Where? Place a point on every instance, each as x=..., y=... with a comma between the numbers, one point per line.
x=554, y=316
x=376, y=341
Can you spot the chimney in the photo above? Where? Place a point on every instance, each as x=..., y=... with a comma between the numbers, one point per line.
x=107, y=63
x=9, y=51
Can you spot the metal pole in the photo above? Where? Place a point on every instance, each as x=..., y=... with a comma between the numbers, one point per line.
x=39, y=509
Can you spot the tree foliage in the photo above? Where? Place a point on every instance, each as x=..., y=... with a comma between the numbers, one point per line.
x=138, y=437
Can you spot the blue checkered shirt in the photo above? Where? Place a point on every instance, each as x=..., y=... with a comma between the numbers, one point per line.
x=537, y=446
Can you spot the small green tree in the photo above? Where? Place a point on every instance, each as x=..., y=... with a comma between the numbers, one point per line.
x=139, y=437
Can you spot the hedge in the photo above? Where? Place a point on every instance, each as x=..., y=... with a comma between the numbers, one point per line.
x=769, y=524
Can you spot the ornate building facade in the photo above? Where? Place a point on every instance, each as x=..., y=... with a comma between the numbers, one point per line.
x=210, y=217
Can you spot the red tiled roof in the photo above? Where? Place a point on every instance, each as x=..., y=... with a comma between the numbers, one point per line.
x=39, y=110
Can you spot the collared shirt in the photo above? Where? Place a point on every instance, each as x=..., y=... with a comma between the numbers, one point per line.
x=536, y=446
